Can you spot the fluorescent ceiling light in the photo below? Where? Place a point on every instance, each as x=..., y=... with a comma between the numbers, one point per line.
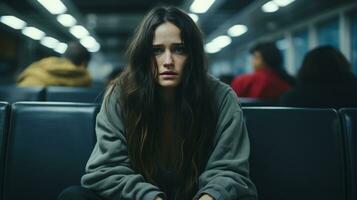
x=55, y=7
x=88, y=41
x=218, y=44
x=270, y=7
x=194, y=17
x=78, y=31
x=201, y=6
x=49, y=42
x=211, y=48
x=237, y=30
x=283, y=3
x=95, y=48
x=33, y=33
x=221, y=41
x=66, y=20
x=60, y=48
x=13, y=22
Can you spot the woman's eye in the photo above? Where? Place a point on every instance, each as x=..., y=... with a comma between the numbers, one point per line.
x=179, y=49
x=158, y=50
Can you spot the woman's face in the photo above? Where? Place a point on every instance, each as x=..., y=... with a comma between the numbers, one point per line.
x=257, y=60
x=170, y=55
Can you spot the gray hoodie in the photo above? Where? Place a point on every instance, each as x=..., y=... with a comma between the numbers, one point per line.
x=226, y=175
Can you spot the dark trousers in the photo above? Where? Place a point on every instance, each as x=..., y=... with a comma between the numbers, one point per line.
x=78, y=193
x=81, y=193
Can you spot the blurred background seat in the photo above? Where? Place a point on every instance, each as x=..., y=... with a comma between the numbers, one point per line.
x=13, y=94
x=296, y=153
x=77, y=94
x=249, y=102
x=349, y=120
x=48, y=147
x=4, y=114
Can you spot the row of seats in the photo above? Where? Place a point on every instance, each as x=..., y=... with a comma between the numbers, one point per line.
x=86, y=95
x=60, y=94
x=295, y=153
x=44, y=147
x=302, y=153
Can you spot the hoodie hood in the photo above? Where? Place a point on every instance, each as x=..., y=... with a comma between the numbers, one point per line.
x=54, y=71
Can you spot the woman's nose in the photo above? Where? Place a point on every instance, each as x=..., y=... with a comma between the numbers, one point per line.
x=168, y=62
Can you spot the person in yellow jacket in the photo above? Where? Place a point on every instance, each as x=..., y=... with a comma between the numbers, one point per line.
x=69, y=70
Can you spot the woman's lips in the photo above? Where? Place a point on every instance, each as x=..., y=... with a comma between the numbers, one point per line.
x=168, y=74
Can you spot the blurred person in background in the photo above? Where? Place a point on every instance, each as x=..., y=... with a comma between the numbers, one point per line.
x=269, y=80
x=69, y=70
x=325, y=80
x=167, y=130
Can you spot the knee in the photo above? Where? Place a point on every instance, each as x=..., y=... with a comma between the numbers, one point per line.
x=71, y=193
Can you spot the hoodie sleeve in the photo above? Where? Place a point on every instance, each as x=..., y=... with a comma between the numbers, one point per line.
x=226, y=175
x=108, y=171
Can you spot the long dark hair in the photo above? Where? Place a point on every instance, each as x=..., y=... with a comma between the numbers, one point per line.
x=141, y=105
x=273, y=59
x=325, y=63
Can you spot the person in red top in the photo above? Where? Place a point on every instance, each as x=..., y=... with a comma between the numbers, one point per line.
x=269, y=80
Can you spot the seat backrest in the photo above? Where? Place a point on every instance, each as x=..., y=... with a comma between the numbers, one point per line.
x=13, y=94
x=48, y=147
x=349, y=122
x=71, y=94
x=253, y=102
x=296, y=153
x=4, y=115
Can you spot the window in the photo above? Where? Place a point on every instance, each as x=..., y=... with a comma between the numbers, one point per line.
x=242, y=63
x=354, y=43
x=301, y=46
x=282, y=46
x=328, y=33
x=221, y=67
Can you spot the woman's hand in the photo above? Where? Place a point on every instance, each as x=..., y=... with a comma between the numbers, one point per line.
x=157, y=198
x=205, y=197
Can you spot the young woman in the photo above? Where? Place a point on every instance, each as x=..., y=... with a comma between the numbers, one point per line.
x=166, y=129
